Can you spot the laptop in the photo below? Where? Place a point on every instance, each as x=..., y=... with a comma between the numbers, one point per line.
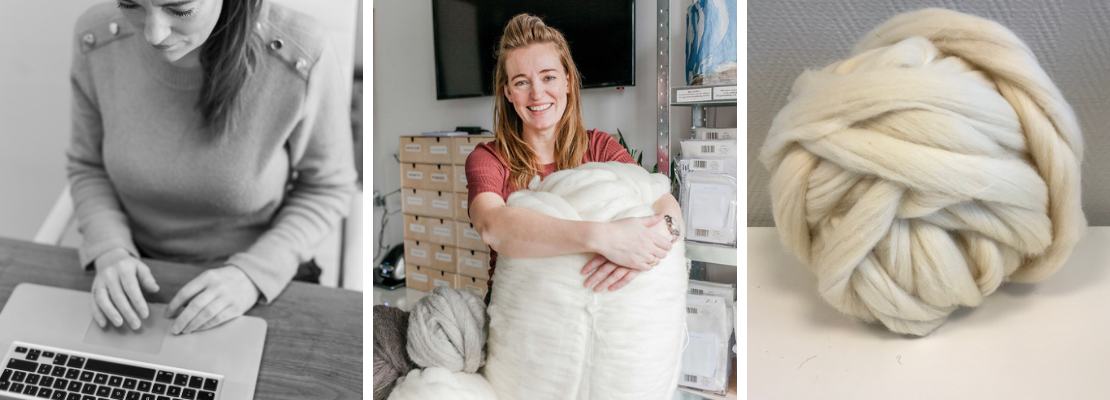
x=52, y=348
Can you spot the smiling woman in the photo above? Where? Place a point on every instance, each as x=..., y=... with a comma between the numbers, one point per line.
x=539, y=129
x=210, y=132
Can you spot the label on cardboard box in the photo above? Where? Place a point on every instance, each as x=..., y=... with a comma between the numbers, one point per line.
x=419, y=253
x=416, y=201
x=466, y=149
x=412, y=148
x=462, y=178
x=439, y=177
x=416, y=228
x=437, y=149
x=440, y=282
x=441, y=231
x=473, y=234
x=419, y=277
x=477, y=290
x=441, y=204
x=473, y=263
x=443, y=256
x=700, y=94
x=415, y=175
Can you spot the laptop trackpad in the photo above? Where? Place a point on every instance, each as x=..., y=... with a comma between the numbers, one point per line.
x=147, y=339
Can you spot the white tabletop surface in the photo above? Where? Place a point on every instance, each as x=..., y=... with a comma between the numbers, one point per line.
x=1047, y=340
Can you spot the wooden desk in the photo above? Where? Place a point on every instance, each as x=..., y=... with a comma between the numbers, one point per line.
x=313, y=344
x=1047, y=340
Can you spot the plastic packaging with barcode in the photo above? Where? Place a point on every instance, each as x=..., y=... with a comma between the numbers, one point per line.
x=725, y=148
x=709, y=207
x=705, y=360
x=721, y=166
x=702, y=132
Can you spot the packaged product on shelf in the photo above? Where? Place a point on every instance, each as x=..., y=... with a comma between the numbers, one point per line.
x=726, y=166
x=703, y=133
x=724, y=291
x=705, y=360
x=709, y=207
x=722, y=148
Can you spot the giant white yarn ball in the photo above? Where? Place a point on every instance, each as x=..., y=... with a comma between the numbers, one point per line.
x=552, y=338
x=441, y=384
x=918, y=175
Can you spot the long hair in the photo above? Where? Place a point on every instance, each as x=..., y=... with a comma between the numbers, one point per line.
x=228, y=57
x=571, y=139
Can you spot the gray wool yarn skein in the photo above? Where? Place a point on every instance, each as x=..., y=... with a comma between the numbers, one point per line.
x=447, y=329
x=391, y=325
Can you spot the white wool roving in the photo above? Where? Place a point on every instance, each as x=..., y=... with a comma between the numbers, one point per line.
x=917, y=176
x=552, y=338
x=441, y=384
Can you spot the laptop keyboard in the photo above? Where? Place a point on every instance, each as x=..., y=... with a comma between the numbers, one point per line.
x=36, y=371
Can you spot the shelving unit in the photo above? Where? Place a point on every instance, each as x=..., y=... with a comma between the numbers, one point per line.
x=701, y=254
x=675, y=97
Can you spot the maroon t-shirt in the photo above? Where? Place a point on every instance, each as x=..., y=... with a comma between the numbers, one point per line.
x=485, y=171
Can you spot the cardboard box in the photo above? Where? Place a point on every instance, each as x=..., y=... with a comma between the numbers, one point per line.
x=441, y=231
x=416, y=277
x=426, y=149
x=418, y=252
x=441, y=177
x=443, y=258
x=438, y=177
x=412, y=149
x=464, y=145
x=442, y=278
x=439, y=150
x=468, y=238
x=460, y=207
x=413, y=202
x=413, y=176
x=416, y=227
x=476, y=285
x=440, y=204
x=472, y=263
x=460, y=178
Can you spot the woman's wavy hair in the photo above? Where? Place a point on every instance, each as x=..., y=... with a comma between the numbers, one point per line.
x=571, y=139
x=228, y=57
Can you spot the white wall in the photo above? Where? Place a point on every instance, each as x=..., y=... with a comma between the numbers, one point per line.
x=405, y=93
x=35, y=38
x=34, y=108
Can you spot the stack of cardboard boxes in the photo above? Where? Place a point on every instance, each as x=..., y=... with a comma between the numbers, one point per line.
x=441, y=246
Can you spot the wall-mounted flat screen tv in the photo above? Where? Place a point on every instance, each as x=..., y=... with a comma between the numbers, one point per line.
x=601, y=34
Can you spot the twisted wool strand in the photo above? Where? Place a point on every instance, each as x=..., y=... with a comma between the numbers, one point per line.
x=918, y=175
x=441, y=384
x=391, y=324
x=447, y=329
x=552, y=338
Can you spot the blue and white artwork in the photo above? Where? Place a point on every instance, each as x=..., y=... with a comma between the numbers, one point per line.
x=711, y=42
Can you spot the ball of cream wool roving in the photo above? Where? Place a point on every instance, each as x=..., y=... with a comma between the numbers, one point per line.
x=441, y=384
x=918, y=175
x=447, y=329
x=552, y=338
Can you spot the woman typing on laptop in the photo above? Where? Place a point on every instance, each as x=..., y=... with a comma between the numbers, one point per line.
x=211, y=132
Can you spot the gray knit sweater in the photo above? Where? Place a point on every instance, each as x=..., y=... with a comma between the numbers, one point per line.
x=144, y=176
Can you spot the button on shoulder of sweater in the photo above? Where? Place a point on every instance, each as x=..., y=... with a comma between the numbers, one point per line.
x=102, y=34
x=289, y=52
